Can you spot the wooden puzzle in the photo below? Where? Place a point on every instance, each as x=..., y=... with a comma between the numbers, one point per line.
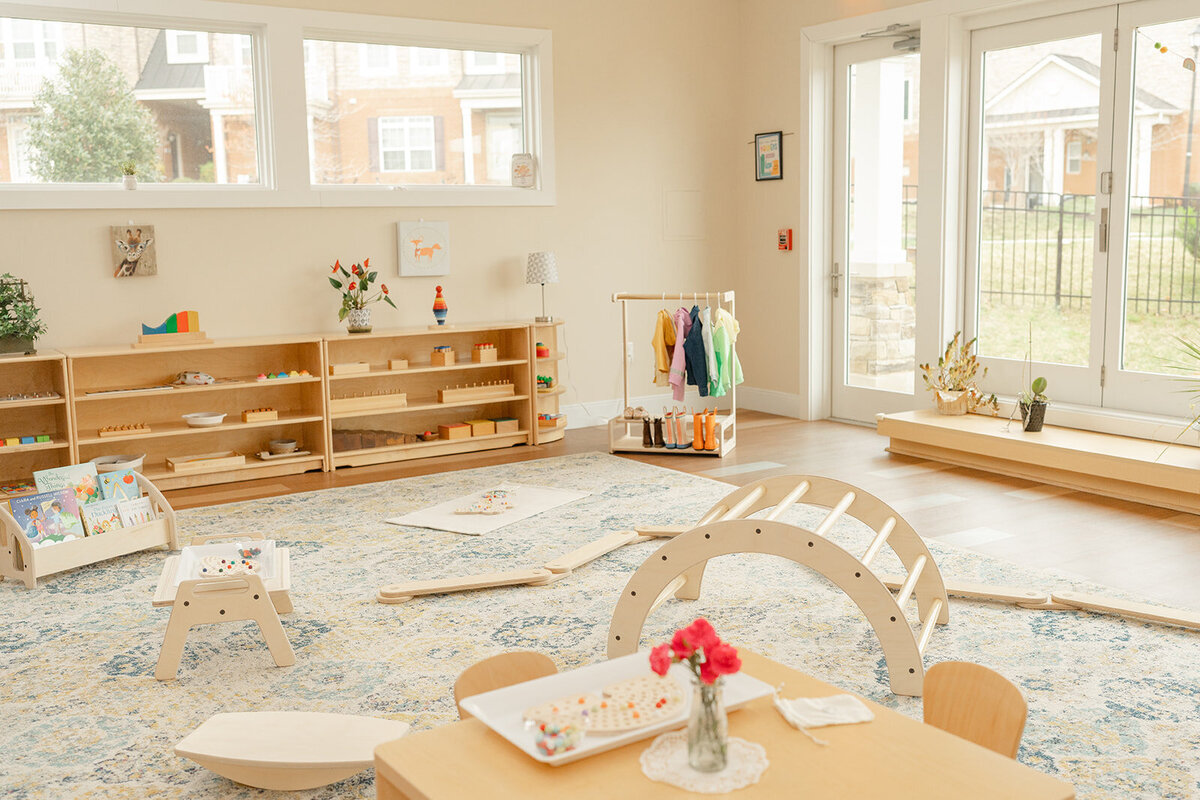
x=259, y=415
x=206, y=462
x=349, y=368
x=442, y=356
x=483, y=353
x=477, y=391
x=182, y=328
x=123, y=430
x=398, y=363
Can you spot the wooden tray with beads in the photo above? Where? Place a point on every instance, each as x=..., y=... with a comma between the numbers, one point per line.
x=624, y=706
x=123, y=430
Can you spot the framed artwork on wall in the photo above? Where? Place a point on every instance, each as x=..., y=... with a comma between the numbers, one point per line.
x=768, y=156
x=423, y=248
x=133, y=250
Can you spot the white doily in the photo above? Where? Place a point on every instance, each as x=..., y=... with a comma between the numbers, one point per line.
x=666, y=760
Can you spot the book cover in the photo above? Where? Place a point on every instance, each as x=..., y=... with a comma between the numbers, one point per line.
x=48, y=517
x=135, y=512
x=121, y=485
x=79, y=478
x=102, y=517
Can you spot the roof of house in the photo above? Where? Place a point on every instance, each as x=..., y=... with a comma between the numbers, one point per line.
x=509, y=81
x=1140, y=95
x=159, y=74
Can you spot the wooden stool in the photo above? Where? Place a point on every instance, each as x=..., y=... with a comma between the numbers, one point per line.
x=288, y=750
x=229, y=599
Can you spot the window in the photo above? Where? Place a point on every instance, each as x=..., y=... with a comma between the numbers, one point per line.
x=1074, y=157
x=406, y=144
x=436, y=125
x=377, y=59
x=907, y=99
x=476, y=63
x=183, y=117
x=187, y=47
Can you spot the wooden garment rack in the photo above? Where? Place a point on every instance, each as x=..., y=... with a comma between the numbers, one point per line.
x=625, y=435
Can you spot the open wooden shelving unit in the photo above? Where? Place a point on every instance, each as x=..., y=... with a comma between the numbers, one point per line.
x=234, y=363
x=547, y=333
x=420, y=383
x=36, y=416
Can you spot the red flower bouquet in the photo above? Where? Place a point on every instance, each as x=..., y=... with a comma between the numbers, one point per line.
x=701, y=649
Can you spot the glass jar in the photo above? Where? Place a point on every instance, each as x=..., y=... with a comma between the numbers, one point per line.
x=708, y=733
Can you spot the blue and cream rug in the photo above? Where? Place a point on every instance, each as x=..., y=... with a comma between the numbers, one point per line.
x=1114, y=705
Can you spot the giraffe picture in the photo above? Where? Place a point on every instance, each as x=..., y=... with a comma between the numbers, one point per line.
x=133, y=250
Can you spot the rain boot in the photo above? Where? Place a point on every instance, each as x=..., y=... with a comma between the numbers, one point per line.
x=710, y=430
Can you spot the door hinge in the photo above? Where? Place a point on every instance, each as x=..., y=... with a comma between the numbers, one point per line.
x=1102, y=375
x=1106, y=179
x=1103, y=234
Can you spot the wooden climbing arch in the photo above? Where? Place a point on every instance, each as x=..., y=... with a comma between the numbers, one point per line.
x=726, y=528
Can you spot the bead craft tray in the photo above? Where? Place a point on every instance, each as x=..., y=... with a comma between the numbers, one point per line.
x=503, y=710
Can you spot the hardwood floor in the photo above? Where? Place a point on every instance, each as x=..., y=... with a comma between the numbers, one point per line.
x=1151, y=552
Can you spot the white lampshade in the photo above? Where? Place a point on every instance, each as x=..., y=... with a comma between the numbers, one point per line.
x=541, y=268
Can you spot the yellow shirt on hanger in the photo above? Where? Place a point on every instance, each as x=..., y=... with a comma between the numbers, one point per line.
x=664, y=337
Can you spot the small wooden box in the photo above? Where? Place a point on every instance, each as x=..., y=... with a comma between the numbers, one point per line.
x=458, y=430
x=559, y=422
x=481, y=392
x=260, y=416
x=443, y=358
x=483, y=355
x=481, y=427
x=507, y=424
x=372, y=402
x=205, y=463
x=349, y=368
x=398, y=363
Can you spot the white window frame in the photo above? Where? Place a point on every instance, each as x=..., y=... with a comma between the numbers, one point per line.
x=281, y=110
x=472, y=67
x=39, y=41
x=408, y=123
x=174, y=56
x=440, y=69
x=367, y=69
x=1075, y=155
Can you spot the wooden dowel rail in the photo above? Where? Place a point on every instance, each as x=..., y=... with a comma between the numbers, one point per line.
x=911, y=583
x=935, y=608
x=834, y=514
x=712, y=515
x=665, y=594
x=723, y=297
x=889, y=525
x=789, y=500
x=739, y=510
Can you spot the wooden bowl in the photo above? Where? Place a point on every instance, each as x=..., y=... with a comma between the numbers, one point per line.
x=278, y=447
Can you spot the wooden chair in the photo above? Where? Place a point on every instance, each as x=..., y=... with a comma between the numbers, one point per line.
x=500, y=671
x=976, y=703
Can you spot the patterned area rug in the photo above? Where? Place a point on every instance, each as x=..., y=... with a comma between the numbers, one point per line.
x=1112, y=703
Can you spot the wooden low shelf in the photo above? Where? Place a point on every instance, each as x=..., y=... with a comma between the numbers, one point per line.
x=382, y=371
x=253, y=469
x=159, y=429
x=1139, y=470
x=223, y=386
x=53, y=444
x=436, y=447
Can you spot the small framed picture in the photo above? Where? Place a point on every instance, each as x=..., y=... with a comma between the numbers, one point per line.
x=768, y=156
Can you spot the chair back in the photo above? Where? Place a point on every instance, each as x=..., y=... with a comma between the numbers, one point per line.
x=500, y=671
x=976, y=703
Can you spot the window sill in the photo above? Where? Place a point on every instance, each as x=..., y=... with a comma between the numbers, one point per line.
x=1107, y=420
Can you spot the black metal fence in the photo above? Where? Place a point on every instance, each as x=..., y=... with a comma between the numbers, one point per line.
x=1036, y=248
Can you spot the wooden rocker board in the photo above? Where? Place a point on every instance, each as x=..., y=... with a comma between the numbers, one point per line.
x=288, y=750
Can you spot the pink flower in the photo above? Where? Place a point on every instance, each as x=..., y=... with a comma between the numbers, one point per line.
x=660, y=659
x=680, y=647
x=708, y=673
x=723, y=658
x=700, y=635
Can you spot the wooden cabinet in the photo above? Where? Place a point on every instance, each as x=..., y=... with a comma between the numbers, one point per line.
x=547, y=398
x=43, y=413
x=378, y=412
x=117, y=387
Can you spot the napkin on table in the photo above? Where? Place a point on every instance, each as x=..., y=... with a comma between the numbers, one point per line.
x=816, y=712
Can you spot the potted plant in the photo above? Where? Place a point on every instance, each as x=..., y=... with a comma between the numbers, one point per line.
x=19, y=323
x=954, y=382
x=1033, y=402
x=129, y=174
x=355, y=286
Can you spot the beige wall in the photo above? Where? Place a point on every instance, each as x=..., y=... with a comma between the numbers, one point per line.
x=645, y=102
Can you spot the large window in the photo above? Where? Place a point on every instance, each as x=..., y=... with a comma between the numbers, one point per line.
x=383, y=114
x=178, y=104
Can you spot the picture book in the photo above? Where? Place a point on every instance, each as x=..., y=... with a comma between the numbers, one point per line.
x=121, y=485
x=48, y=517
x=79, y=478
x=101, y=517
x=135, y=512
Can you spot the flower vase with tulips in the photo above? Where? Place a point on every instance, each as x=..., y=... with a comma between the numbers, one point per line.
x=709, y=660
x=357, y=294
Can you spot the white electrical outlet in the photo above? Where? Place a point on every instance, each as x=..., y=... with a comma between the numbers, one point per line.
x=629, y=349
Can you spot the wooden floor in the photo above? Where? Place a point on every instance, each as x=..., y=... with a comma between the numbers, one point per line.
x=1149, y=551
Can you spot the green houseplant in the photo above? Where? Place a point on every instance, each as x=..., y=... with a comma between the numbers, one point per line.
x=1033, y=402
x=954, y=383
x=19, y=323
x=357, y=294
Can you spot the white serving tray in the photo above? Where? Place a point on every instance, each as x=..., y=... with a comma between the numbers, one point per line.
x=503, y=710
x=190, y=558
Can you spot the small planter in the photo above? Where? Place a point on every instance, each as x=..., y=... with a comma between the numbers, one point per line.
x=951, y=403
x=15, y=345
x=358, y=320
x=130, y=182
x=1033, y=415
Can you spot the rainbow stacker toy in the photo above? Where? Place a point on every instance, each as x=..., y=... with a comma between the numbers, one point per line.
x=182, y=328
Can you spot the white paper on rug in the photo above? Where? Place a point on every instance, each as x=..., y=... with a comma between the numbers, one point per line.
x=526, y=502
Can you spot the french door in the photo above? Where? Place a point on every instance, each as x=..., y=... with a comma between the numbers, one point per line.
x=1081, y=253
x=874, y=229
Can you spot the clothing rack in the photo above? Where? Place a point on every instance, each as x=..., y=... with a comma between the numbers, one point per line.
x=621, y=436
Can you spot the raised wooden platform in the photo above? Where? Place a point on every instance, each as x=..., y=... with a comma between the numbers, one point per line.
x=1114, y=466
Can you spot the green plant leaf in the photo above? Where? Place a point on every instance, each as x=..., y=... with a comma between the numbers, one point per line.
x=336, y=284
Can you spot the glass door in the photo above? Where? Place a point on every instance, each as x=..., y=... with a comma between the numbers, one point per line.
x=873, y=279
x=1038, y=254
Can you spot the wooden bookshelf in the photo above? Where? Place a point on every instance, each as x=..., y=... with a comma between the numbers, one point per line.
x=235, y=363
x=421, y=381
x=46, y=416
x=547, y=402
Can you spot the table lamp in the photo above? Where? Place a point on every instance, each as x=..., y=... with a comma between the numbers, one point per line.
x=542, y=268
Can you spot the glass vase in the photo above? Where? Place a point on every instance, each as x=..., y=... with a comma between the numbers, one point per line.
x=708, y=735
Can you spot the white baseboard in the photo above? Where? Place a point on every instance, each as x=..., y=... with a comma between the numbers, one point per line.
x=769, y=401
x=599, y=412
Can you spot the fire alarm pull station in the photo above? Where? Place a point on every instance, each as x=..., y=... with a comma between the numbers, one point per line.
x=785, y=238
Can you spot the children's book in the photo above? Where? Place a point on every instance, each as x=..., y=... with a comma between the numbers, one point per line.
x=135, y=512
x=48, y=517
x=79, y=478
x=120, y=485
x=102, y=517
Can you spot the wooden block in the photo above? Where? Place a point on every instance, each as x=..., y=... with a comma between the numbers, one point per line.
x=554, y=422
x=483, y=355
x=339, y=405
x=123, y=430
x=442, y=358
x=349, y=368
x=480, y=392
x=398, y=363
x=260, y=415
x=172, y=339
x=206, y=462
x=457, y=430
x=507, y=424
x=12, y=441
x=481, y=427
x=42, y=438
